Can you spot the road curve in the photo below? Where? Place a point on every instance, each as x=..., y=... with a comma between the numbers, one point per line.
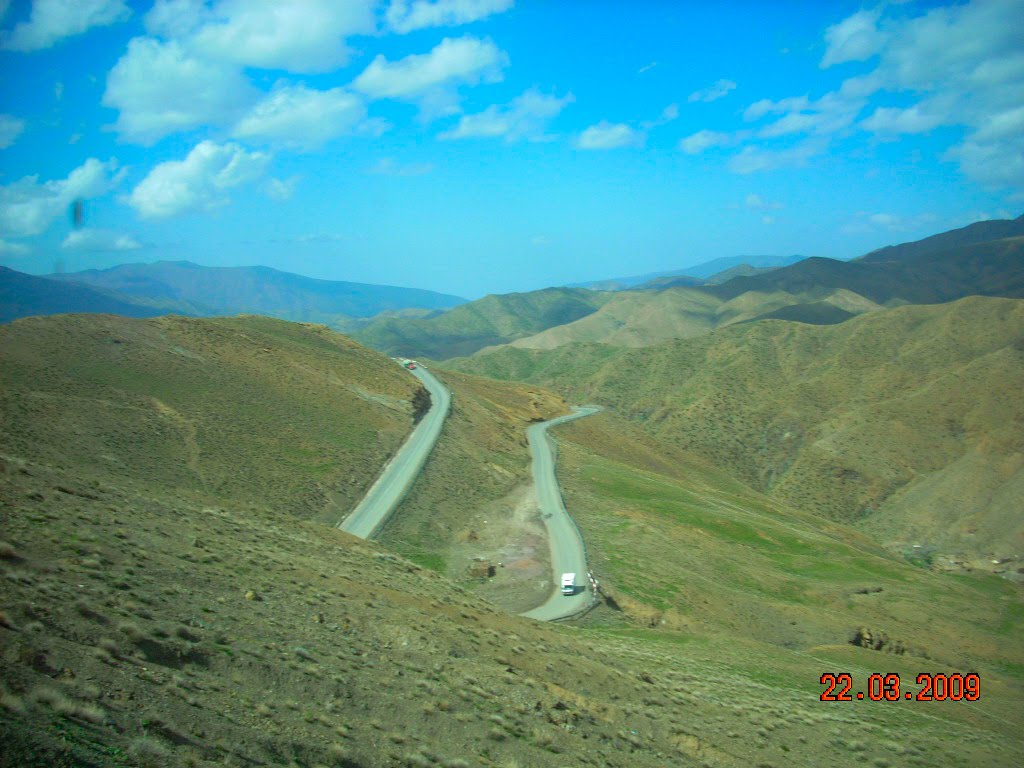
x=400, y=473
x=567, y=552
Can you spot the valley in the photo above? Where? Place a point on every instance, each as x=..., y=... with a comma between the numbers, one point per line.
x=762, y=501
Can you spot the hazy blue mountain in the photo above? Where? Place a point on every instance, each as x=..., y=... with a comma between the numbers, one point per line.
x=687, y=276
x=182, y=286
x=24, y=295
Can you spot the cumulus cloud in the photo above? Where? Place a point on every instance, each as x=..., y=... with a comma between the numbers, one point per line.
x=855, y=38
x=54, y=20
x=605, y=135
x=525, y=117
x=99, y=240
x=176, y=18
x=199, y=182
x=297, y=37
x=160, y=88
x=10, y=129
x=28, y=207
x=713, y=92
x=430, y=77
x=958, y=65
x=697, y=142
x=403, y=16
x=302, y=118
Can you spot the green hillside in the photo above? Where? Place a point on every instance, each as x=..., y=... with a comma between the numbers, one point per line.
x=486, y=322
x=871, y=420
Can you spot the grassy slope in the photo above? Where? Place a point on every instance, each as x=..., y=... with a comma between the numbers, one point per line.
x=485, y=322
x=682, y=546
x=878, y=415
x=248, y=408
x=144, y=626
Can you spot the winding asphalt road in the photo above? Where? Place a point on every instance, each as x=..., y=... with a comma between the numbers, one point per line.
x=568, y=554
x=401, y=472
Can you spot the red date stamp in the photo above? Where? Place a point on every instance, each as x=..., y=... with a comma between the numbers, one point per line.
x=936, y=686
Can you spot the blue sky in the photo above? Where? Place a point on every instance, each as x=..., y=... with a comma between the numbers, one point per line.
x=488, y=146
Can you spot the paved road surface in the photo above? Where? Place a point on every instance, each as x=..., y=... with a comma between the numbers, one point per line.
x=567, y=552
x=394, y=482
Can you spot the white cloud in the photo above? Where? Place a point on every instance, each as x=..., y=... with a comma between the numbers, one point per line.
x=302, y=118
x=753, y=159
x=306, y=36
x=891, y=120
x=199, y=182
x=956, y=65
x=99, y=240
x=855, y=38
x=387, y=166
x=404, y=16
x=281, y=189
x=53, y=20
x=965, y=63
x=607, y=135
x=758, y=203
x=696, y=143
x=429, y=77
x=160, y=88
x=525, y=117
x=10, y=129
x=28, y=207
x=833, y=112
x=176, y=18
x=647, y=67
x=13, y=250
x=713, y=92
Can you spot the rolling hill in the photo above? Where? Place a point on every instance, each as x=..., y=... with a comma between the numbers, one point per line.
x=183, y=287
x=22, y=295
x=874, y=421
x=485, y=322
x=156, y=610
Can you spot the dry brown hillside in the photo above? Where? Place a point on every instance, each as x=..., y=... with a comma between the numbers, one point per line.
x=902, y=421
x=246, y=408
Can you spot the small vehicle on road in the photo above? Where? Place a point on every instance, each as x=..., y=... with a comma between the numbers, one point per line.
x=568, y=583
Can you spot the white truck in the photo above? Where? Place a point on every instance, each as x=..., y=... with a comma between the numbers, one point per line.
x=568, y=583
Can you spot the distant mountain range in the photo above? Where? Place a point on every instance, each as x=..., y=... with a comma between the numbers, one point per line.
x=695, y=275
x=181, y=287
x=23, y=295
x=814, y=291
